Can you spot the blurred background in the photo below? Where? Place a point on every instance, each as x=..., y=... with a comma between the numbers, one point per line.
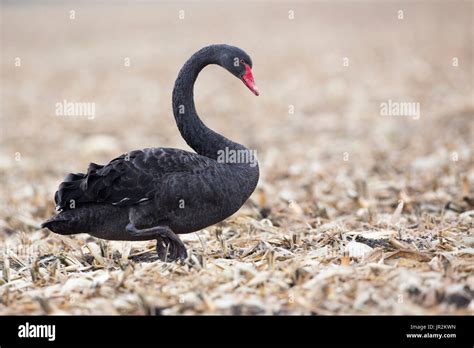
x=326, y=152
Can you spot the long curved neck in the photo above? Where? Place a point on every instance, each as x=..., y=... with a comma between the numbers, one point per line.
x=197, y=135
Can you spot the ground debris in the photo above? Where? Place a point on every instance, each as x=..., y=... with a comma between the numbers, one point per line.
x=355, y=212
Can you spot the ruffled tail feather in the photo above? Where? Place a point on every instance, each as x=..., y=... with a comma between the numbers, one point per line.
x=73, y=190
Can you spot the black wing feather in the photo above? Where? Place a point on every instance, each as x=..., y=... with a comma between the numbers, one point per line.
x=126, y=180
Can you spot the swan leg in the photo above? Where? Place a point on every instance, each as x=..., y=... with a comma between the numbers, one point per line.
x=168, y=245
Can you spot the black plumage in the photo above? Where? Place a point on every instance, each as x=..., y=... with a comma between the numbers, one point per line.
x=156, y=193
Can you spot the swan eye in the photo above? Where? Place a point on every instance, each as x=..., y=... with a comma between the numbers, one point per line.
x=242, y=61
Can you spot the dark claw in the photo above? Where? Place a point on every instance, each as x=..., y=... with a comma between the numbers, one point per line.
x=183, y=254
x=169, y=250
x=180, y=252
x=168, y=246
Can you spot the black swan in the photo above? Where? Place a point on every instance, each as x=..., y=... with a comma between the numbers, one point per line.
x=156, y=193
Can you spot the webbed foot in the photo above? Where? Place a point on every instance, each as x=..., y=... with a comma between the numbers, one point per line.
x=168, y=245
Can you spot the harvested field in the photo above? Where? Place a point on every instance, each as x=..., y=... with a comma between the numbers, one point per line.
x=365, y=205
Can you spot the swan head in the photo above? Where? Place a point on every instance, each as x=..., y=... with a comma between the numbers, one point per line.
x=239, y=64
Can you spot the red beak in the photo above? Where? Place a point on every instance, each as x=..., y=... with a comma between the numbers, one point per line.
x=249, y=81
